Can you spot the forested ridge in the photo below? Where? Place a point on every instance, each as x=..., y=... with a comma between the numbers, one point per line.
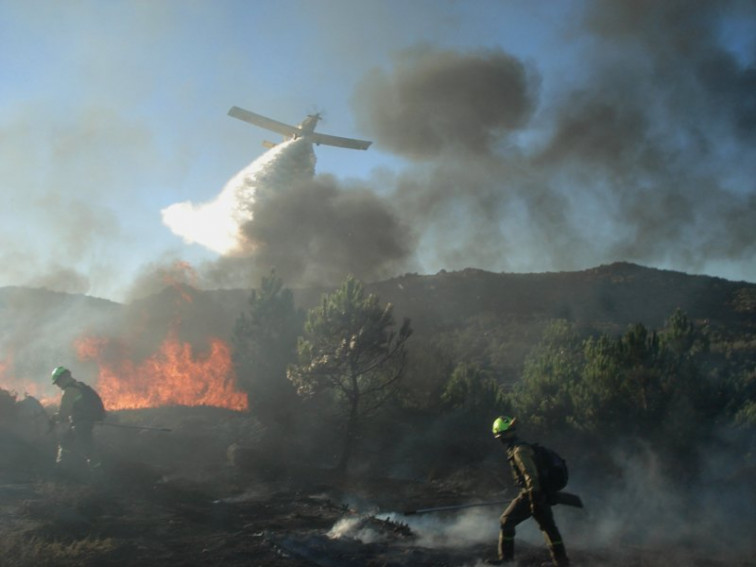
x=568, y=351
x=643, y=379
x=619, y=354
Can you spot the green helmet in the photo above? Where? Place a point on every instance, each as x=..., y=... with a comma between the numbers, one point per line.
x=59, y=372
x=503, y=424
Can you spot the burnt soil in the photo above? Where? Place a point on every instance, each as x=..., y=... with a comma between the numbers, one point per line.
x=175, y=499
x=158, y=521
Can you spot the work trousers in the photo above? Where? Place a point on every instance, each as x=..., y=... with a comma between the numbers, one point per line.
x=517, y=512
x=76, y=451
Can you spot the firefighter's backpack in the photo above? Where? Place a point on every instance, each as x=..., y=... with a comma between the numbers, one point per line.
x=552, y=469
x=90, y=406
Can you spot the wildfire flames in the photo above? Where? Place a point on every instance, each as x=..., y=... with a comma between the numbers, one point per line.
x=174, y=375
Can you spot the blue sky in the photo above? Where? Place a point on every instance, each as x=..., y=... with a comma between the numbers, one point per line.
x=634, y=137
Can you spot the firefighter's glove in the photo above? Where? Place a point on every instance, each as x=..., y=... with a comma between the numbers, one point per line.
x=538, y=501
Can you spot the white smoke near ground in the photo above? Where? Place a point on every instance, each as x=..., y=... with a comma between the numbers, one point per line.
x=645, y=509
x=636, y=509
x=477, y=525
x=355, y=528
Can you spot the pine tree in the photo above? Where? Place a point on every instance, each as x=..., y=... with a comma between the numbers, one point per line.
x=265, y=341
x=350, y=350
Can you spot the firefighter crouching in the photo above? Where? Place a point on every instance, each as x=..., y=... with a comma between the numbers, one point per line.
x=532, y=500
x=80, y=408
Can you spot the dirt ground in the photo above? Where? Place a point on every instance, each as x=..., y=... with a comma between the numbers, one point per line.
x=154, y=521
x=140, y=510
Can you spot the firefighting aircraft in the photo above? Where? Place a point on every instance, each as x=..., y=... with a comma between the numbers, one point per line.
x=305, y=129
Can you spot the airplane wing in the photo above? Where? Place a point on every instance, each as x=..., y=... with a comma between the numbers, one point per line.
x=340, y=142
x=263, y=122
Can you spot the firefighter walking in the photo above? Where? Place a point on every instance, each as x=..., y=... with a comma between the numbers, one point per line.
x=75, y=420
x=532, y=499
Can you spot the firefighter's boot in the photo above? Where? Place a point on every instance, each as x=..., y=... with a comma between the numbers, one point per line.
x=506, y=547
x=558, y=555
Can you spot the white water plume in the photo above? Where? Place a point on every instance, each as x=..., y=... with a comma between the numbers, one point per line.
x=216, y=224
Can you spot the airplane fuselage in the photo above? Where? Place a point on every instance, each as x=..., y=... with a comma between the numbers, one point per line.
x=307, y=126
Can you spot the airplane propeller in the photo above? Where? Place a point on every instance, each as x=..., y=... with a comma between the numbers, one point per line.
x=319, y=114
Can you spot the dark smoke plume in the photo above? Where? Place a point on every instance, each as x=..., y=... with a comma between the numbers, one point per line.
x=651, y=157
x=646, y=153
x=434, y=101
x=317, y=232
x=312, y=230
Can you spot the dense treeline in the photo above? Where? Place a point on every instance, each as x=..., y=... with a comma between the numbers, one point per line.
x=675, y=389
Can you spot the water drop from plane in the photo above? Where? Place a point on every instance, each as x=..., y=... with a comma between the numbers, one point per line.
x=216, y=224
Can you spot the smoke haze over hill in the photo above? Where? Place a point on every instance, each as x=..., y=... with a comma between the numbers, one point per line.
x=624, y=132
x=641, y=160
x=644, y=155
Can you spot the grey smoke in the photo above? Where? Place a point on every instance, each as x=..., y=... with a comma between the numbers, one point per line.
x=317, y=231
x=648, y=158
x=311, y=229
x=646, y=155
x=432, y=101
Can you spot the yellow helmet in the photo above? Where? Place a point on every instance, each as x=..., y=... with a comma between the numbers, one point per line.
x=502, y=425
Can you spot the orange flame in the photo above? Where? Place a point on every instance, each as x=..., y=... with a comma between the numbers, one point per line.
x=171, y=376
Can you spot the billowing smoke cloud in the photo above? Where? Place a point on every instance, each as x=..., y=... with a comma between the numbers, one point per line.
x=276, y=214
x=647, y=154
x=317, y=232
x=645, y=160
x=631, y=139
x=434, y=101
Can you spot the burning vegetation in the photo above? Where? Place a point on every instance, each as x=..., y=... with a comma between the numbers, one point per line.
x=174, y=375
x=289, y=429
x=194, y=475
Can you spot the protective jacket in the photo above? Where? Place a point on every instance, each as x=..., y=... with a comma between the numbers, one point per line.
x=522, y=461
x=69, y=402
